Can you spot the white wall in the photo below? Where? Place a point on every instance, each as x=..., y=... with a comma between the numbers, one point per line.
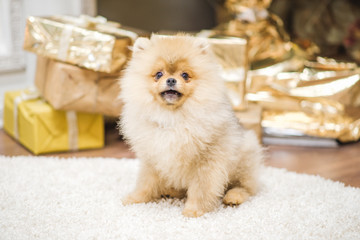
x=25, y=78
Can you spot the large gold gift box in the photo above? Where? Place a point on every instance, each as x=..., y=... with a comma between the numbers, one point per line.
x=316, y=102
x=231, y=56
x=88, y=42
x=41, y=129
x=68, y=87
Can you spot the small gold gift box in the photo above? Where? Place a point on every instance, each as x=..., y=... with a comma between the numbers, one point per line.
x=41, y=129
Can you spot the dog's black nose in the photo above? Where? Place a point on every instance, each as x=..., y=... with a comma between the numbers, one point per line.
x=171, y=82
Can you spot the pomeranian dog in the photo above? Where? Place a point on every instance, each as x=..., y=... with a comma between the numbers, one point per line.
x=178, y=120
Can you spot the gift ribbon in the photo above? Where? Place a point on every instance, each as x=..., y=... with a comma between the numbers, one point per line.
x=73, y=130
x=252, y=14
x=65, y=41
x=71, y=118
x=83, y=21
x=32, y=94
x=87, y=21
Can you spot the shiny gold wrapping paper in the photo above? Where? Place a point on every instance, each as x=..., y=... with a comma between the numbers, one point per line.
x=344, y=127
x=317, y=98
x=322, y=63
x=68, y=87
x=99, y=46
x=315, y=103
x=231, y=55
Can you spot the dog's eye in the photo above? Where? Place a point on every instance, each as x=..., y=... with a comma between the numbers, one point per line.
x=185, y=76
x=158, y=75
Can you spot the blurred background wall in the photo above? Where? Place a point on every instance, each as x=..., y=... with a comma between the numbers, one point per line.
x=156, y=15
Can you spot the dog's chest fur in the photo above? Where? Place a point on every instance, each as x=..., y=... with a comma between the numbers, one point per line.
x=176, y=150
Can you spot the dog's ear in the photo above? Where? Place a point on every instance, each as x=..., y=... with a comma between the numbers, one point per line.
x=141, y=44
x=203, y=44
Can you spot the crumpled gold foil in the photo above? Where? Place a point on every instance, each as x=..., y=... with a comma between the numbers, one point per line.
x=344, y=127
x=88, y=42
x=312, y=102
x=322, y=63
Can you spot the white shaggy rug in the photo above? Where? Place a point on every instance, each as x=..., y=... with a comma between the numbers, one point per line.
x=80, y=198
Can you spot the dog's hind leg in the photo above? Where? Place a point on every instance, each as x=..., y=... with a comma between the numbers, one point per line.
x=241, y=188
x=236, y=196
x=244, y=173
x=243, y=185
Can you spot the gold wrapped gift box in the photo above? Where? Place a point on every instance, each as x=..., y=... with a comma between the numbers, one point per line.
x=323, y=104
x=344, y=127
x=68, y=87
x=231, y=56
x=41, y=129
x=87, y=42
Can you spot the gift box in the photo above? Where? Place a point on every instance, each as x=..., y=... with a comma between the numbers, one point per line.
x=88, y=42
x=41, y=129
x=68, y=87
x=231, y=56
x=322, y=101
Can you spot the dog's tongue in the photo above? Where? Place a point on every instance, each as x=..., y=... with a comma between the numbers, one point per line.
x=171, y=95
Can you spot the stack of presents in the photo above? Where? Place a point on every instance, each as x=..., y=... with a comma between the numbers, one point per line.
x=280, y=90
x=79, y=61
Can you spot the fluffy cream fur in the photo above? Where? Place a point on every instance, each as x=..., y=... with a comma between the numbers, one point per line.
x=192, y=146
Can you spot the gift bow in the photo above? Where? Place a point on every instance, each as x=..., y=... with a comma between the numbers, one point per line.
x=90, y=22
x=71, y=118
x=252, y=14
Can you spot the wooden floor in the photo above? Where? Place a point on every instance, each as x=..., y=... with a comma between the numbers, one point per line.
x=340, y=164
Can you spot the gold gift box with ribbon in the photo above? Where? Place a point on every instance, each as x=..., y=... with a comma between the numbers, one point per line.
x=93, y=43
x=41, y=129
x=91, y=91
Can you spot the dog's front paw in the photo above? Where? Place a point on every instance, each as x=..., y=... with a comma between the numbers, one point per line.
x=192, y=212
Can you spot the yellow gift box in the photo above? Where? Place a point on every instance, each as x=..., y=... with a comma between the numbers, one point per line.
x=41, y=129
